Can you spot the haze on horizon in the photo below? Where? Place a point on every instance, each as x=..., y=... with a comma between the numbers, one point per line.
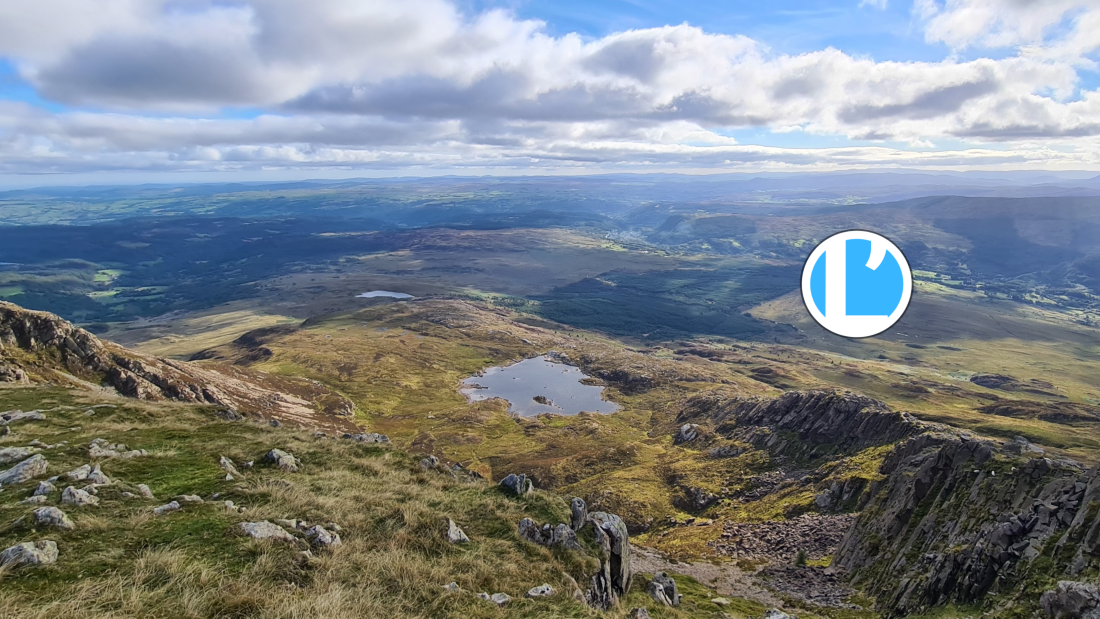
x=188, y=90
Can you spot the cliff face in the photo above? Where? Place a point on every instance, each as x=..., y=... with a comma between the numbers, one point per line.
x=41, y=347
x=949, y=518
x=956, y=521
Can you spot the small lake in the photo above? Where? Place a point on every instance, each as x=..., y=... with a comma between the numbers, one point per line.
x=536, y=386
x=383, y=293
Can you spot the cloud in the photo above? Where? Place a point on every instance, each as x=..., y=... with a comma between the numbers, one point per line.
x=419, y=83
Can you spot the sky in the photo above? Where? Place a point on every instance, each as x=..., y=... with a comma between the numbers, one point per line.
x=155, y=90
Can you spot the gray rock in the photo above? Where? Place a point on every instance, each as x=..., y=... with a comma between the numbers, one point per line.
x=37, y=499
x=286, y=462
x=541, y=591
x=669, y=586
x=451, y=587
x=44, y=488
x=429, y=463
x=265, y=530
x=24, y=471
x=168, y=507
x=319, y=537
x=12, y=454
x=579, y=513
x=101, y=448
x=80, y=498
x=657, y=592
x=688, y=432
x=98, y=477
x=775, y=613
x=1071, y=600
x=275, y=423
x=229, y=415
x=639, y=613
x=29, y=554
x=189, y=498
x=13, y=416
x=370, y=437
x=500, y=599
x=613, y=578
x=455, y=535
x=518, y=485
x=80, y=473
x=145, y=491
x=484, y=596
x=286, y=523
x=228, y=466
x=1021, y=446
x=52, y=517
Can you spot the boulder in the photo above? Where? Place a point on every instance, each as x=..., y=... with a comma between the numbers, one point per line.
x=80, y=498
x=44, y=488
x=227, y=465
x=29, y=553
x=541, y=591
x=518, y=485
x=688, y=432
x=613, y=577
x=145, y=491
x=451, y=587
x=168, y=507
x=1071, y=600
x=775, y=613
x=429, y=463
x=639, y=613
x=319, y=537
x=37, y=499
x=370, y=437
x=101, y=448
x=579, y=513
x=657, y=592
x=455, y=535
x=667, y=587
x=13, y=454
x=98, y=477
x=265, y=530
x=286, y=462
x=189, y=498
x=500, y=599
x=13, y=416
x=52, y=517
x=24, y=471
x=80, y=473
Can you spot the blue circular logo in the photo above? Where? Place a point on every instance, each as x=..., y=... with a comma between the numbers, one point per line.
x=856, y=284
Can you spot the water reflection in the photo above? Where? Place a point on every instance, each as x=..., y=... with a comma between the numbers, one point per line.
x=539, y=385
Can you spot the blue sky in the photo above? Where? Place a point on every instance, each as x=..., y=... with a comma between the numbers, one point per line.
x=246, y=88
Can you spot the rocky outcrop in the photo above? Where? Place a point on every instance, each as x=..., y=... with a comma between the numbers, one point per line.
x=29, y=554
x=38, y=346
x=24, y=471
x=956, y=519
x=517, y=485
x=613, y=578
x=1071, y=600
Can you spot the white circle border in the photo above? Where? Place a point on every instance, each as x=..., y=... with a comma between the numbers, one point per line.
x=857, y=327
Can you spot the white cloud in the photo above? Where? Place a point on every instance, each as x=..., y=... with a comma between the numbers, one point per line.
x=418, y=83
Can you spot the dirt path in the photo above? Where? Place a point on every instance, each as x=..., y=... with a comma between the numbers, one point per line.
x=727, y=578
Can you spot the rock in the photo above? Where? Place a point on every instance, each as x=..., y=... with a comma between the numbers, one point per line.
x=688, y=432
x=613, y=578
x=639, y=613
x=518, y=485
x=275, y=423
x=500, y=599
x=370, y=437
x=189, y=498
x=531, y=532
x=230, y=415
x=1021, y=446
x=451, y=587
x=455, y=535
x=52, y=517
x=1071, y=600
x=286, y=523
x=228, y=466
x=265, y=530
x=541, y=591
x=775, y=613
x=286, y=462
x=28, y=554
x=721, y=602
x=91, y=489
x=44, y=488
x=80, y=498
x=24, y=471
x=668, y=588
x=127, y=495
x=98, y=477
x=579, y=513
x=12, y=454
x=429, y=463
x=145, y=491
x=13, y=416
x=33, y=500
x=169, y=507
x=101, y=448
x=484, y=596
x=725, y=451
x=319, y=537
x=657, y=592
x=80, y=473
